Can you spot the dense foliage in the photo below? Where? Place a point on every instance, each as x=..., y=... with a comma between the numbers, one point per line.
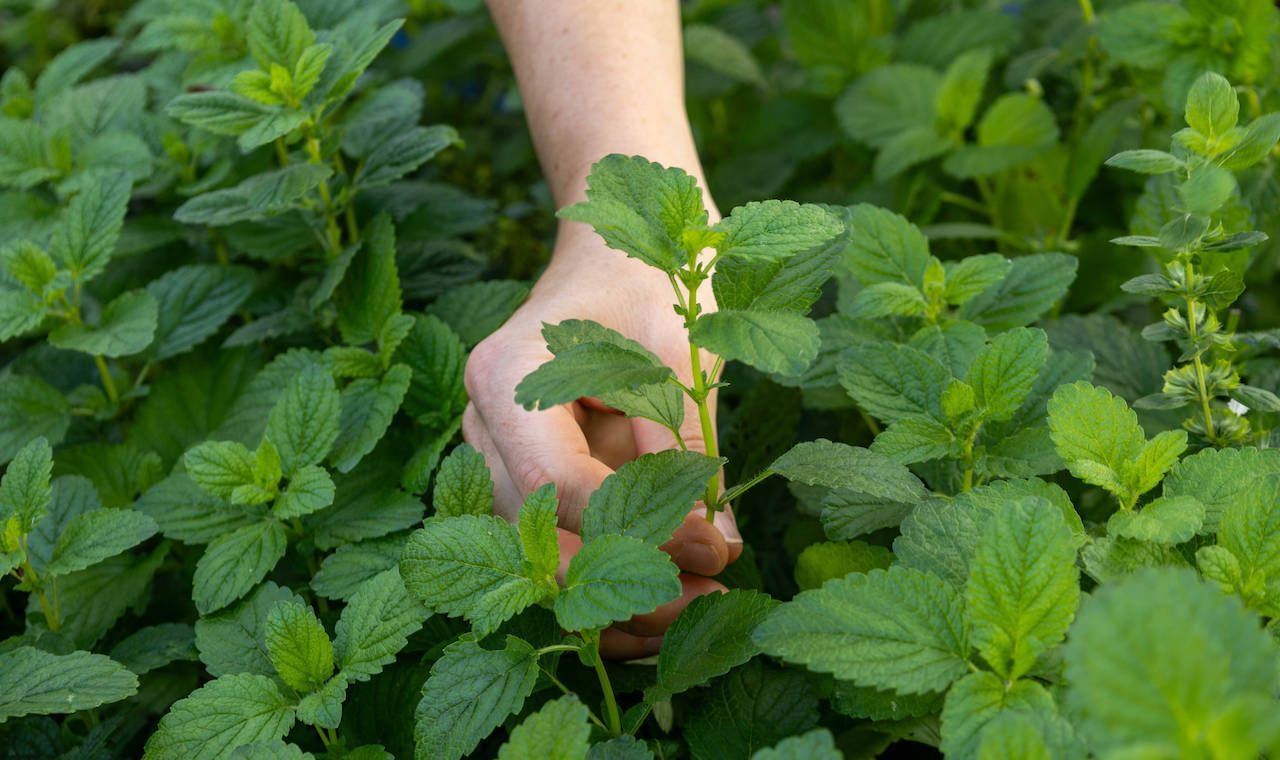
x=997, y=408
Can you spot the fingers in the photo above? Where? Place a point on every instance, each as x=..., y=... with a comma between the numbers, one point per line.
x=656, y=623
x=620, y=645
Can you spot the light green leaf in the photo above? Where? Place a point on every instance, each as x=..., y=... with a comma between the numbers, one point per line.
x=86, y=234
x=25, y=489
x=347, y=569
x=1256, y=143
x=35, y=682
x=966, y=278
x=641, y=208
x=72, y=65
x=304, y=423
x=234, y=563
x=1212, y=106
x=782, y=342
x=1016, y=128
x=914, y=439
x=463, y=484
x=710, y=637
x=1159, y=655
x=221, y=716
x=907, y=149
x=722, y=53
x=1023, y=586
x=278, y=33
x=1012, y=736
x=309, y=490
x=888, y=101
x=648, y=497
x=469, y=566
x=375, y=625
x=888, y=299
x=818, y=744
x=227, y=113
x=402, y=153
x=1220, y=478
x=885, y=247
x=234, y=640
x=961, y=88
x=825, y=560
x=298, y=646
x=1002, y=376
x=539, y=537
x=1205, y=191
x=614, y=578
x=981, y=699
x=323, y=707
x=127, y=325
x=1251, y=530
x=192, y=303
x=370, y=292
x=776, y=229
x=558, y=730
x=93, y=536
x=1145, y=161
x=226, y=470
x=589, y=369
x=897, y=629
x=848, y=468
x=471, y=691
x=1166, y=520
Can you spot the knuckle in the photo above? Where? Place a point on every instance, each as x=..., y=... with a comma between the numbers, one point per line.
x=481, y=365
x=529, y=474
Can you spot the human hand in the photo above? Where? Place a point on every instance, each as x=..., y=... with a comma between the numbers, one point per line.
x=577, y=445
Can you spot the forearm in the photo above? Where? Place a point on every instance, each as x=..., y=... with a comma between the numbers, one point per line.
x=599, y=77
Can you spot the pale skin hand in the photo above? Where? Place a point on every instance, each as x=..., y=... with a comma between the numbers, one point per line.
x=597, y=77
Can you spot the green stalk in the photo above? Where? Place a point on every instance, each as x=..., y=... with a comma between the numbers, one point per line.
x=610, y=702
x=701, y=390
x=107, y=383
x=1193, y=330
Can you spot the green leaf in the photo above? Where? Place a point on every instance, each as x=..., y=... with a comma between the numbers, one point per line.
x=648, y=497
x=469, y=566
x=981, y=699
x=127, y=325
x=72, y=65
x=310, y=490
x=1033, y=285
x=1220, y=478
x=370, y=293
x=1016, y=128
x=1099, y=438
x=474, y=311
x=221, y=716
x=892, y=381
x=375, y=625
x=278, y=33
x=710, y=637
x=589, y=369
x=234, y=640
x=33, y=409
x=781, y=342
x=1205, y=191
x=471, y=691
x=35, y=682
x=1023, y=586
x=914, y=439
x=346, y=570
x=463, y=484
x=558, y=730
x=156, y=646
x=1012, y=736
x=961, y=88
x=818, y=744
x=750, y=708
x=279, y=750
x=825, y=560
x=614, y=578
x=1002, y=376
x=86, y=234
x=298, y=646
x=1251, y=530
x=888, y=299
x=226, y=113
x=368, y=407
x=776, y=229
x=885, y=247
x=402, y=153
x=625, y=747
x=1256, y=143
x=876, y=704
x=258, y=197
x=641, y=208
x=897, y=629
x=887, y=102
x=93, y=536
x=305, y=421
x=25, y=490
x=973, y=274
x=1157, y=656
x=1166, y=520
x=437, y=357
x=226, y=470
x=1145, y=161
x=848, y=468
x=907, y=149
x=722, y=53
x=192, y=303
x=1212, y=106
x=323, y=707
x=234, y=563
x=538, y=535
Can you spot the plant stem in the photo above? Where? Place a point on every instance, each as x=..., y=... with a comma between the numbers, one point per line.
x=282, y=153
x=610, y=703
x=590, y=713
x=1193, y=331
x=107, y=383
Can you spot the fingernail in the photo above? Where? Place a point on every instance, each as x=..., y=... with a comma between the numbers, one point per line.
x=698, y=557
x=728, y=527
